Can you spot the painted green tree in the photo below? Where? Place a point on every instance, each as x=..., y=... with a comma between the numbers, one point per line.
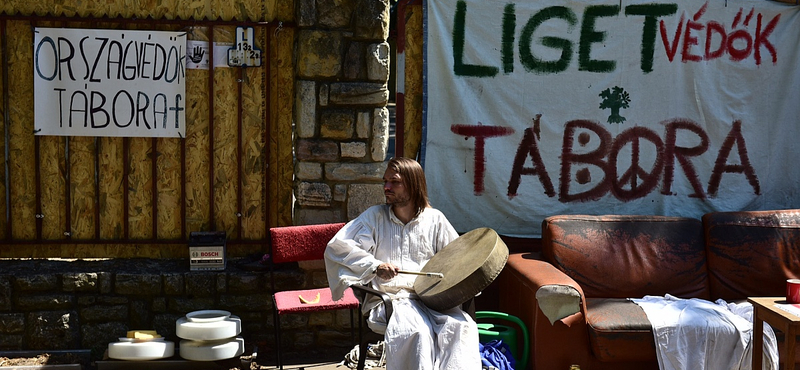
x=615, y=99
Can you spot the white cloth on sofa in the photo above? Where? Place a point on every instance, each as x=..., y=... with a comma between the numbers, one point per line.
x=696, y=334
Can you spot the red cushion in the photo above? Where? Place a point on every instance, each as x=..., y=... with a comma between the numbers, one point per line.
x=301, y=243
x=289, y=301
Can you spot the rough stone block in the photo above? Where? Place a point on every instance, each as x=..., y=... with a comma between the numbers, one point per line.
x=306, y=12
x=44, y=302
x=100, y=313
x=293, y=321
x=11, y=342
x=164, y=324
x=11, y=323
x=308, y=171
x=303, y=339
x=323, y=95
x=184, y=305
x=340, y=192
x=363, y=124
x=97, y=335
x=52, y=330
x=319, y=279
x=363, y=196
x=380, y=134
x=318, y=53
x=222, y=283
x=312, y=265
x=36, y=283
x=306, y=109
x=105, y=282
x=173, y=283
x=307, y=216
x=79, y=282
x=372, y=20
x=5, y=294
x=137, y=284
x=354, y=172
x=337, y=125
x=88, y=300
x=355, y=63
x=377, y=60
x=247, y=302
x=201, y=284
x=359, y=93
x=335, y=14
x=140, y=315
x=354, y=150
x=159, y=304
x=335, y=338
x=343, y=318
x=314, y=194
x=317, y=150
x=324, y=318
x=246, y=283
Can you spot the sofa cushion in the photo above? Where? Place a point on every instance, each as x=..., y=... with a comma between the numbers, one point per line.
x=752, y=253
x=619, y=330
x=628, y=256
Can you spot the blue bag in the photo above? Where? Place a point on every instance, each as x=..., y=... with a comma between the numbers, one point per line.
x=497, y=354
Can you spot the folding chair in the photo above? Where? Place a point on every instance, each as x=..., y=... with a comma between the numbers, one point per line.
x=304, y=243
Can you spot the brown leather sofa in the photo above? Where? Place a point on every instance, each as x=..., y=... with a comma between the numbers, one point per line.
x=573, y=295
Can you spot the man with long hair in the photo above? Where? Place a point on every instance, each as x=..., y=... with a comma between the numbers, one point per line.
x=403, y=234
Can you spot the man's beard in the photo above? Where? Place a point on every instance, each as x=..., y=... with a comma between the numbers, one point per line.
x=397, y=201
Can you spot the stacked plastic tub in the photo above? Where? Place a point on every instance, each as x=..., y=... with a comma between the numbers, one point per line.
x=141, y=345
x=209, y=335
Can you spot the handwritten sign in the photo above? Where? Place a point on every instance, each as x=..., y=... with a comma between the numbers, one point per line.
x=678, y=108
x=109, y=82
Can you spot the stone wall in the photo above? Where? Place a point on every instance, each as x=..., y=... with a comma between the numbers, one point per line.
x=341, y=119
x=73, y=305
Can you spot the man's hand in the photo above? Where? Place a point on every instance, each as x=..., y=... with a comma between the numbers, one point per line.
x=387, y=271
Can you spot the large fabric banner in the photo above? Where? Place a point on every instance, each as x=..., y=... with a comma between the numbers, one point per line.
x=92, y=82
x=536, y=108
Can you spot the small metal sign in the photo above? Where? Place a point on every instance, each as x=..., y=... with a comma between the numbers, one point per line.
x=244, y=53
x=207, y=251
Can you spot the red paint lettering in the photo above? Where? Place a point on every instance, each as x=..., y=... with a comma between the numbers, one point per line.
x=480, y=133
x=739, y=43
x=529, y=148
x=682, y=155
x=593, y=158
x=721, y=165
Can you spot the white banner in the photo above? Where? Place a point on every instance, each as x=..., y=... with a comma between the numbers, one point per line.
x=536, y=108
x=90, y=82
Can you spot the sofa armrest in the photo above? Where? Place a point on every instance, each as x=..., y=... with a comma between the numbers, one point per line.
x=526, y=277
x=558, y=301
x=557, y=295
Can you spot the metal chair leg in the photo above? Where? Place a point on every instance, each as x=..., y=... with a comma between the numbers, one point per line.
x=362, y=346
x=277, y=326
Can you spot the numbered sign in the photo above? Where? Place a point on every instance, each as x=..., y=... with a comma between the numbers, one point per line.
x=244, y=53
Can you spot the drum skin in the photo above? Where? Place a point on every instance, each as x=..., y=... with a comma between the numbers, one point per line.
x=469, y=264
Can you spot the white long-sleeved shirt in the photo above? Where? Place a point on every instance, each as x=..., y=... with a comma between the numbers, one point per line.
x=378, y=236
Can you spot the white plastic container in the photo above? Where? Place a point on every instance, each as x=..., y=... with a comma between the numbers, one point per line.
x=214, y=350
x=141, y=350
x=223, y=328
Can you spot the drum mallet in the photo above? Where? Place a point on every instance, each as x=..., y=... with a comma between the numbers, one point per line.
x=428, y=274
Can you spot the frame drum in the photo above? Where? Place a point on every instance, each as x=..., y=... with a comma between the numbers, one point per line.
x=469, y=264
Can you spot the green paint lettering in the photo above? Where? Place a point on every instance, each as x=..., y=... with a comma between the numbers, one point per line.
x=459, y=68
x=589, y=36
x=651, y=13
x=509, y=27
x=535, y=64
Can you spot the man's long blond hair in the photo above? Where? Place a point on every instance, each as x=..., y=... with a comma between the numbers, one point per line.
x=414, y=180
